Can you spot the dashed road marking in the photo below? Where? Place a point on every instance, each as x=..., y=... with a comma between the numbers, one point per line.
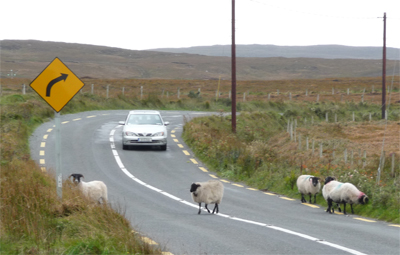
x=64, y=122
x=310, y=205
x=173, y=135
x=238, y=185
x=394, y=225
x=42, y=144
x=186, y=152
x=213, y=176
x=91, y=116
x=77, y=119
x=41, y=153
x=364, y=220
x=222, y=180
x=286, y=198
x=271, y=194
x=203, y=169
x=180, y=145
x=251, y=189
x=45, y=137
x=42, y=162
x=176, y=140
x=49, y=130
x=194, y=161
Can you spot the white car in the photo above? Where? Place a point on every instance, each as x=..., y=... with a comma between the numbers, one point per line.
x=144, y=128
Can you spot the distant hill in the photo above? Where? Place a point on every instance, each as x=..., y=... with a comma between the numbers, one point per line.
x=270, y=51
x=27, y=58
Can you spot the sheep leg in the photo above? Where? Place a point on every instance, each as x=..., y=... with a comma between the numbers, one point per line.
x=351, y=205
x=216, y=207
x=303, y=200
x=199, y=208
x=329, y=206
x=338, y=206
x=310, y=199
x=344, y=209
x=207, y=209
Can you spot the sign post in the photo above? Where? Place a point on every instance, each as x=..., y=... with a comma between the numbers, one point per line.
x=57, y=85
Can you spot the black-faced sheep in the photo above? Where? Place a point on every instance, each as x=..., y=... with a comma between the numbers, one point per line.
x=308, y=185
x=210, y=192
x=342, y=193
x=95, y=190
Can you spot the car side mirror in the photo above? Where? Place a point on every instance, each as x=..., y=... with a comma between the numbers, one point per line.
x=121, y=122
x=166, y=123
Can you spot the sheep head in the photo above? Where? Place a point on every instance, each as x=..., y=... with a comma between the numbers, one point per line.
x=315, y=181
x=363, y=199
x=194, y=187
x=76, y=178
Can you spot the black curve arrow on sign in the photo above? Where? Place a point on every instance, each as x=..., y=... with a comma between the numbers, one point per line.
x=54, y=81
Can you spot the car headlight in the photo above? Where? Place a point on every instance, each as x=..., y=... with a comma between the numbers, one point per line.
x=159, y=134
x=128, y=133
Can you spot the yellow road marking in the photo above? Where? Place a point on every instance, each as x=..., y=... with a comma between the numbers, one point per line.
x=194, y=161
x=394, y=225
x=180, y=145
x=45, y=137
x=251, y=189
x=238, y=185
x=41, y=153
x=49, y=130
x=203, y=169
x=77, y=119
x=186, y=152
x=43, y=169
x=286, y=198
x=42, y=144
x=225, y=181
x=213, y=176
x=91, y=116
x=364, y=220
x=173, y=135
x=176, y=140
x=339, y=213
x=166, y=253
x=173, y=131
x=42, y=162
x=65, y=122
x=310, y=205
x=271, y=194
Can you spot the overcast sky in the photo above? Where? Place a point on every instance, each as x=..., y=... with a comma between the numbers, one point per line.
x=149, y=24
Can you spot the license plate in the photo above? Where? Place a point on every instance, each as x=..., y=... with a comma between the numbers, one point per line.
x=144, y=140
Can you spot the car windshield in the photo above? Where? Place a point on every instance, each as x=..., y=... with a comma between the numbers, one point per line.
x=144, y=119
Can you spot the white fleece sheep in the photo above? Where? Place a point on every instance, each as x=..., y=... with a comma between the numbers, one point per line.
x=95, y=190
x=308, y=185
x=342, y=193
x=209, y=192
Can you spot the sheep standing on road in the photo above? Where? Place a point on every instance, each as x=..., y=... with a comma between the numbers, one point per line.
x=210, y=192
x=308, y=185
x=342, y=193
x=95, y=190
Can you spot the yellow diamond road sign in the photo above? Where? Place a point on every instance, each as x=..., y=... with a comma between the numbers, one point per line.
x=57, y=84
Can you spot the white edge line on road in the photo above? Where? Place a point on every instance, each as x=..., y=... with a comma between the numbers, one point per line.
x=122, y=167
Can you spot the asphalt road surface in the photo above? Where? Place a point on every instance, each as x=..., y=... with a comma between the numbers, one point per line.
x=153, y=188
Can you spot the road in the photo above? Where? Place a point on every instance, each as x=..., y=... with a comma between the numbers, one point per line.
x=152, y=186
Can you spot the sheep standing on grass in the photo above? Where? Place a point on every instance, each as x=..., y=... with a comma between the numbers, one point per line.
x=95, y=190
x=210, y=192
x=308, y=185
x=342, y=193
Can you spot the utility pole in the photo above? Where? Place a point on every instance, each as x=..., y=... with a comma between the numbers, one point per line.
x=233, y=70
x=384, y=69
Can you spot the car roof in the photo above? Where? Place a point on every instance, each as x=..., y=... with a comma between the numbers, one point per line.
x=144, y=112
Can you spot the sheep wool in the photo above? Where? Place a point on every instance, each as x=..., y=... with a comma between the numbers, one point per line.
x=95, y=190
x=342, y=193
x=210, y=192
x=308, y=185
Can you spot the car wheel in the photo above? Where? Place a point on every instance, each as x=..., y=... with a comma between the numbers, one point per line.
x=163, y=147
